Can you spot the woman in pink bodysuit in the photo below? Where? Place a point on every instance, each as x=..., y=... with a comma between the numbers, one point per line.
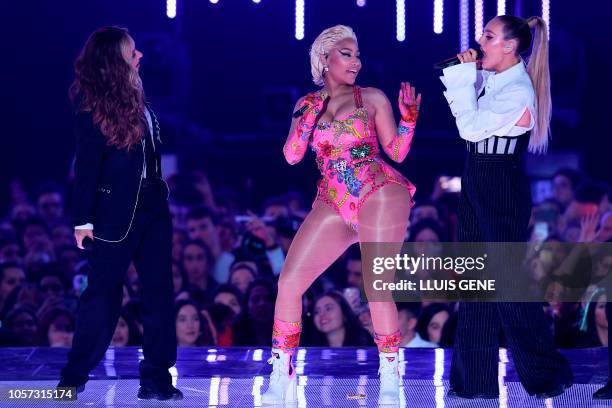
x=360, y=198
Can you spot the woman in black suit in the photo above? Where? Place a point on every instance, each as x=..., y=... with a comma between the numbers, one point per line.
x=121, y=206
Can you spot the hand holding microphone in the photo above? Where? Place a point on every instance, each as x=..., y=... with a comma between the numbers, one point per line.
x=471, y=55
x=313, y=102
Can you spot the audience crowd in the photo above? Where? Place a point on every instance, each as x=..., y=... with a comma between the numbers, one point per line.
x=227, y=258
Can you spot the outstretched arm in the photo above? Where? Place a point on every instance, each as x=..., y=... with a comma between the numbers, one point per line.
x=396, y=140
x=302, y=127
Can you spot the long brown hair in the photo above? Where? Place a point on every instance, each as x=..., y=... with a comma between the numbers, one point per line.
x=520, y=29
x=109, y=87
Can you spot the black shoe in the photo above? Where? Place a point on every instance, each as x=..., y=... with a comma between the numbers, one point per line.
x=604, y=393
x=560, y=389
x=159, y=392
x=66, y=384
x=65, y=395
x=458, y=394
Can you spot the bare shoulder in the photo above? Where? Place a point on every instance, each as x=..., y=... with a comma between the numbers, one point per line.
x=374, y=96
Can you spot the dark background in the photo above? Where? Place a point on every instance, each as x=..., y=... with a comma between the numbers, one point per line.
x=224, y=77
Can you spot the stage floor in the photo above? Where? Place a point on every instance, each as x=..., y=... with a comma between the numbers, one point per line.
x=235, y=377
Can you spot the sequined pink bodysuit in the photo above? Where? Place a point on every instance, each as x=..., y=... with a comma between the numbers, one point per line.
x=350, y=163
x=348, y=157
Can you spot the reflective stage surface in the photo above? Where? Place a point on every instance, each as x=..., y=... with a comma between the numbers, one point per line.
x=327, y=377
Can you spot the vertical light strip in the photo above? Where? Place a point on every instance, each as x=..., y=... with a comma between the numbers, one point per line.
x=300, y=361
x=501, y=378
x=501, y=7
x=546, y=14
x=361, y=3
x=258, y=382
x=301, y=391
x=400, y=19
x=213, y=392
x=171, y=8
x=464, y=25
x=224, y=391
x=438, y=19
x=478, y=18
x=437, y=377
x=299, y=19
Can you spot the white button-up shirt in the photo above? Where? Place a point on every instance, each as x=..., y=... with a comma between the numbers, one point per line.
x=152, y=134
x=507, y=96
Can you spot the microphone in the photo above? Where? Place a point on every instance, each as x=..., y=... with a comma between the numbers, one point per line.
x=87, y=244
x=453, y=61
x=306, y=107
x=300, y=111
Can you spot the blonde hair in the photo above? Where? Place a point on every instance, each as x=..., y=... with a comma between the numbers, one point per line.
x=540, y=77
x=321, y=46
x=519, y=29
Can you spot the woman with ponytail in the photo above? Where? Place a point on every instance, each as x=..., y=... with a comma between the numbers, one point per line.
x=502, y=109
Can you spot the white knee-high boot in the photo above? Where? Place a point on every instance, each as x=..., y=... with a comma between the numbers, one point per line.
x=388, y=372
x=283, y=381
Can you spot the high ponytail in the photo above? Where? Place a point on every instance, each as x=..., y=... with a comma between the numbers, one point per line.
x=540, y=77
x=520, y=29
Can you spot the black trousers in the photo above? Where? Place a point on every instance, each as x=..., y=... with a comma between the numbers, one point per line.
x=495, y=206
x=148, y=245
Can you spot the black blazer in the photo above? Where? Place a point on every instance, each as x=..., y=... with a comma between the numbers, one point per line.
x=107, y=180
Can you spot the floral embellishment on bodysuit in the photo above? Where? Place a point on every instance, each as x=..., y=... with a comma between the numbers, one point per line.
x=338, y=165
x=320, y=163
x=361, y=151
x=325, y=148
x=323, y=125
x=343, y=127
x=332, y=193
x=346, y=174
x=353, y=184
x=348, y=158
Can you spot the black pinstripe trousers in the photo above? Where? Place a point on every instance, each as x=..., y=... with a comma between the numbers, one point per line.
x=495, y=206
